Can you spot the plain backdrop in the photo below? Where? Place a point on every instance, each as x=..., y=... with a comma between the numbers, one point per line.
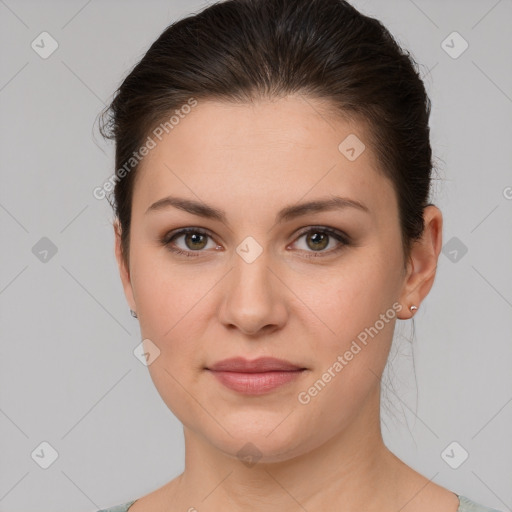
x=73, y=396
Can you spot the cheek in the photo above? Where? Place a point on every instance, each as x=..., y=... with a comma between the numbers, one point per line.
x=167, y=294
x=175, y=306
x=355, y=305
x=170, y=302
x=351, y=354
x=353, y=295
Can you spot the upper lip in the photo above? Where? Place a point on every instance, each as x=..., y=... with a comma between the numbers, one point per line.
x=262, y=364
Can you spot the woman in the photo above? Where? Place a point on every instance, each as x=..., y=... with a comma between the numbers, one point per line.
x=272, y=224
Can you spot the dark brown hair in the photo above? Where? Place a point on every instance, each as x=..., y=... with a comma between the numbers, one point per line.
x=241, y=50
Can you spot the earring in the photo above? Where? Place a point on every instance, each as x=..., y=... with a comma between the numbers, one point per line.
x=413, y=308
x=133, y=313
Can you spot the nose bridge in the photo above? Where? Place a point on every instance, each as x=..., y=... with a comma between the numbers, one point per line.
x=251, y=273
x=252, y=299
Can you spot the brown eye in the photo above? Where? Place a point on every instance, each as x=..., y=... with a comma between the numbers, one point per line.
x=317, y=240
x=195, y=241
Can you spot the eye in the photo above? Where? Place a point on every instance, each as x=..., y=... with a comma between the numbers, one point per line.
x=317, y=238
x=195, y=240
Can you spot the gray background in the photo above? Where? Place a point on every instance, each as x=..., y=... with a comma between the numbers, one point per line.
x=68, y=373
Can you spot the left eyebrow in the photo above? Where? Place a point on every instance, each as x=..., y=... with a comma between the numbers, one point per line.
x=320, y=205
x=286, y=214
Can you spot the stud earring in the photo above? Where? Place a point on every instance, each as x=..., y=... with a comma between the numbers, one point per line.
x=413, y=308
x=133, y=313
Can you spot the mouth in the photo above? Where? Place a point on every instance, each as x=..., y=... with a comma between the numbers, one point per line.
x=255, y=377
x=260, y=365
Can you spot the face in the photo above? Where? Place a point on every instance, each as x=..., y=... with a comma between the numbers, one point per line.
x=264, y=278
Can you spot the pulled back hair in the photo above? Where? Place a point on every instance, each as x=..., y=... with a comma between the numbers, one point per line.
x=244, y=50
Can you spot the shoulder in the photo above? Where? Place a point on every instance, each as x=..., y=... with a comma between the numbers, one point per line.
x=119, y=508
x=467, y=505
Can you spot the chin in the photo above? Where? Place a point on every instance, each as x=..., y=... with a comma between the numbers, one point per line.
x=265, y=445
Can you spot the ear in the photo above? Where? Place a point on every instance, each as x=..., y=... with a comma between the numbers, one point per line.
x=422, y=265
x=124, y=271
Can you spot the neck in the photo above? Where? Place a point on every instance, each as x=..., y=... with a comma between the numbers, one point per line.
x=342, y=470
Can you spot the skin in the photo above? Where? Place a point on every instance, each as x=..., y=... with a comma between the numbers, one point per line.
x=251, y=160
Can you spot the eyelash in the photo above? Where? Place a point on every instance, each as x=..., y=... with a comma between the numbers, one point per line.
x=341, y=237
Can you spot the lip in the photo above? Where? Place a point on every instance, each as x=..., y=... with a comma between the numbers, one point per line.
x=255, y=377
x=260, y=365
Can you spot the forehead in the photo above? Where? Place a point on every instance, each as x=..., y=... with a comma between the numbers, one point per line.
x=264, y=152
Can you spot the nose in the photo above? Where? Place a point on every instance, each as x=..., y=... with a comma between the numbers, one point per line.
x=254, y=300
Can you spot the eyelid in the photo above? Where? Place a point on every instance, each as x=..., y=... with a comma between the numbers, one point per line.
x=325, y=229
x=183, y=231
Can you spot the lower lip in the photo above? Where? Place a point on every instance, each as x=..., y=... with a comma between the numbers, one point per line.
x=256, y=383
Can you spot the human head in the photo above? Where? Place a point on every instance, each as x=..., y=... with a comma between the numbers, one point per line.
x=242, y=62
x=242, y=50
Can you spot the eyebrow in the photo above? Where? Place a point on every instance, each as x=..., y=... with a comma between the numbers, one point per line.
x=286, y=214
